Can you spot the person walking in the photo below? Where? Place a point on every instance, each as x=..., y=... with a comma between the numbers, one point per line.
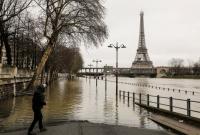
x=38, y=102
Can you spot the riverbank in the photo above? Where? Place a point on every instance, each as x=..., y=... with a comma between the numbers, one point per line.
x=87, y=128
x=183, y=77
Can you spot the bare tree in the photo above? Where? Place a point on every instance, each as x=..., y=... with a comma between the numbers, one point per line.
x=64, y=60
x=75, y=21
x=196, y=67
x=9, y=9
x=176, y=64
x=24, y=41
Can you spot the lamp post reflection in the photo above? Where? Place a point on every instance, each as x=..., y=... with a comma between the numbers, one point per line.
x=117, y=47
x=96, y=61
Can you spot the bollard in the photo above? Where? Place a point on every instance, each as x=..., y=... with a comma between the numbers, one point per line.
x=170, y=104
x=147, y=99
x=133, y=97
x=128, y=96
x=158, y=101
x=123, y=94
x=140, y=98
x=188, y=108
x=14, y=89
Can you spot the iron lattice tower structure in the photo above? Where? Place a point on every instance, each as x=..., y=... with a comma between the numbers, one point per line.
x=142, y=59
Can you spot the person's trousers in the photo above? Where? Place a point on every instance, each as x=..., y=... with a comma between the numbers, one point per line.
x=37, y=118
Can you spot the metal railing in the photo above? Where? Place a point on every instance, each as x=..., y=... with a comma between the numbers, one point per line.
x=171, y=104
x=158, y=87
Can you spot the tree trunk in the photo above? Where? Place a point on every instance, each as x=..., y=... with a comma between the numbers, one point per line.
x=47, y=78
x=42, y=77
x=51, y=74
x=50, y=47
x=41, y=65
x=4, y=41
x=8, y=49
x=1, y=52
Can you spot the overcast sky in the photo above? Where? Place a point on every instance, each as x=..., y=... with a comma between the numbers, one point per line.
x=172, y=30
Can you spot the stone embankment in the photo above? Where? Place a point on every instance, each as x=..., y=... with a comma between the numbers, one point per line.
x=13, y=81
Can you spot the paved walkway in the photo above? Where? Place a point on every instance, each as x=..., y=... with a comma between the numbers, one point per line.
x=86, y=128
x=180, y=126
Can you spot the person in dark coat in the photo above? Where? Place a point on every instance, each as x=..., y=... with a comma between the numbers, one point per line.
x=38, y=102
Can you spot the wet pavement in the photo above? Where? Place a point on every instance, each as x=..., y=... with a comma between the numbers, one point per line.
x=86, y=128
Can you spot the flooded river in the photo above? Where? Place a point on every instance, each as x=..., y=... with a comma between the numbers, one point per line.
x=82, y=100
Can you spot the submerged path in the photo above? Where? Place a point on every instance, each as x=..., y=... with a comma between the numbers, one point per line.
x=87, y=128
x=177, y=125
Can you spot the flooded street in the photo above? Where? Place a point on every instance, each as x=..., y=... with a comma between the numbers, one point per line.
x=82, y=100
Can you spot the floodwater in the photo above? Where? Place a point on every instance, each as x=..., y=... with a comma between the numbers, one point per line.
x=82, y=100
x=179, y=89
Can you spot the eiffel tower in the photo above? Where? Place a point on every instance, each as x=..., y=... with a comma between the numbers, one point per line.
x=142, y=59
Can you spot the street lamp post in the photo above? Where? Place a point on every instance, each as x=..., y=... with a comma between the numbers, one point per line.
x=97, y=61
x=117, y=47
x=90, y=66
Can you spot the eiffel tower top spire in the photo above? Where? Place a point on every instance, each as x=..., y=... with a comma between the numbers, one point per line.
x=142, y=36
x=142, y=59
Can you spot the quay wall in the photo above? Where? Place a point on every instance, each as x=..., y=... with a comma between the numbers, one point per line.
x=13, y=81
x=8, y=90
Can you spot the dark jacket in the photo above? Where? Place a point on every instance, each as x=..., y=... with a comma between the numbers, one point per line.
x=38, y=100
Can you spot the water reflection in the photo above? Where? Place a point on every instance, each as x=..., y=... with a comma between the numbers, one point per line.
x=63, y=97
x=76, y=100
x=105, y=83
x=6, y=108
x=116, y=111
x=17, y=114
x=141, y=81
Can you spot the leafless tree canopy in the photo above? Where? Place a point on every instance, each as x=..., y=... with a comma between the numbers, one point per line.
x=74, y=20
x=64, y=60
x=9, y=10
x=12, y=8
x=176, y=62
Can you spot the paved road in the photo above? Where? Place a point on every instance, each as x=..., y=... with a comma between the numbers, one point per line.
x=86, y=128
